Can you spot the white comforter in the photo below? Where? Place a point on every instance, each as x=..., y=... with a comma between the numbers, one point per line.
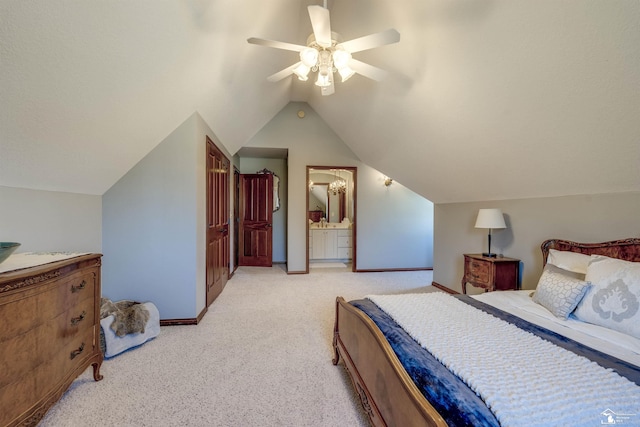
x=523, y=379
x=614, y=343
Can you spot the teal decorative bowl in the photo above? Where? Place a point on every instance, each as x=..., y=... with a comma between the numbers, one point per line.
x=6, y=249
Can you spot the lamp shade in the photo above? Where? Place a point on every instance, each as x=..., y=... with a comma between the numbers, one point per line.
x=490, y=218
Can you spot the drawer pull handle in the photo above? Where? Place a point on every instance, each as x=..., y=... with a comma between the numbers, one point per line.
x=76, y=352
x=80, y=287
x=76, y=320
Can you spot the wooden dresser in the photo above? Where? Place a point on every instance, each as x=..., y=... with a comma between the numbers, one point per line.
x=49, y=334
x=500, y=273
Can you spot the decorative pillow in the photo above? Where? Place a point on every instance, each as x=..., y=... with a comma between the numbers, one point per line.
x=614, y=299
x=559, y=291
x=572, y=261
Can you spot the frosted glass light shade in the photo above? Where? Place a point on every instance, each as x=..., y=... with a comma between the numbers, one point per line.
x=309, y=57
x=341, y=58
x=302, y=71
x=324, y=78
x=346, y=73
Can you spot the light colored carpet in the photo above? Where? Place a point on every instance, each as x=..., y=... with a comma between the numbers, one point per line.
x=327, y=265
x=260, y=357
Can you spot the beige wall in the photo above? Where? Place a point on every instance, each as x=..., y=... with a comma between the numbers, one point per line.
x=50, y=220
x=154, y=225
x=589, y=218
x=394, y=225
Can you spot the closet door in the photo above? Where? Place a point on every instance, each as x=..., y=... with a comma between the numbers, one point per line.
x=218, y=244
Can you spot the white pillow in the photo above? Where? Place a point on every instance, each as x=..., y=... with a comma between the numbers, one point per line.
x=613, y=301
x=572, y=261
x=559, y=291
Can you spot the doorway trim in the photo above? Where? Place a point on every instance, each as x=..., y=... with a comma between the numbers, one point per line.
x=236, y=210
x=354, y=225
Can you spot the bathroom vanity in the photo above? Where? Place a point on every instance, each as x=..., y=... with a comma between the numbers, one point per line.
x=330, y=243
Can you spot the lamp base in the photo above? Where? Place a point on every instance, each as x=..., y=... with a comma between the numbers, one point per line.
x=489, y=255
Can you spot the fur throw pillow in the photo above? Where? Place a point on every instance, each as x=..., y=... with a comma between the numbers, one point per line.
x=129, y=316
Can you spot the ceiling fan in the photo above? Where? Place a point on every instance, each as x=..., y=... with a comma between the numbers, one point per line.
x=327, y=54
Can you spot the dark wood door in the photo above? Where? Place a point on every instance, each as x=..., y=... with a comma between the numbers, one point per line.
x=236, y=216
x=256, y=213
x=217, y=221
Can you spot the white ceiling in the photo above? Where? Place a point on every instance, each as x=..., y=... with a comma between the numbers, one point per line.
x=487, y=99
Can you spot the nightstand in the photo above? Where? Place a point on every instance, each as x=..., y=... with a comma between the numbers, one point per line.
x=492, y=274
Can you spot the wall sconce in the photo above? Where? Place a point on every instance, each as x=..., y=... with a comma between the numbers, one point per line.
x=387, y=181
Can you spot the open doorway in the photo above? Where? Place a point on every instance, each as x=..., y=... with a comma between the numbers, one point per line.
x=331, y=216
x=273, y=161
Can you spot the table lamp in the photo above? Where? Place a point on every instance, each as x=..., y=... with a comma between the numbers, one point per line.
x=491, y=219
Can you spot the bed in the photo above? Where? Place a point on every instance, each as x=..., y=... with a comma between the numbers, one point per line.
x=391, y=396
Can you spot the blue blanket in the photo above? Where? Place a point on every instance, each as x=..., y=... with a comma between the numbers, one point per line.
x=452, y=398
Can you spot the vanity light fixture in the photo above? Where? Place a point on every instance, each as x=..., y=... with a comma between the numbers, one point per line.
x=491, y=219
x=339, y=185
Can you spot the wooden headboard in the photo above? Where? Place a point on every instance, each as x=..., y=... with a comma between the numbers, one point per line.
x=626, y=249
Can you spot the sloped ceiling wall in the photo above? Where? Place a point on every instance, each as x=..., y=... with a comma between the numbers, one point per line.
x=489, y=99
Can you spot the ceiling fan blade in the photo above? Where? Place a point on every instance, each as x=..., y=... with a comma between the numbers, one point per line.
x=372, y=40
x=283, y=73
x=328, y=90
x=276, y=44
x=374, y=73
x=321, y=25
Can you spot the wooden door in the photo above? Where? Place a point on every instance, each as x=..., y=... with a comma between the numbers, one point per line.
x=256, y=213
x=217, y=221
x=236, y=216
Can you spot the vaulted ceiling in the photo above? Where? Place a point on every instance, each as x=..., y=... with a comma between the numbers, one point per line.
x=486, y=99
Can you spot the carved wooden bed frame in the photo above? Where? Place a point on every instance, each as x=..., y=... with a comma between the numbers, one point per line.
x=387, y=393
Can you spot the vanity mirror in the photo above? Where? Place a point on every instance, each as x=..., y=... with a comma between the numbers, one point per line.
x=331, y=194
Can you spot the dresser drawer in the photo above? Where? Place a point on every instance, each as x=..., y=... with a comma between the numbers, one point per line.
x=79, y=287
x=490, y=273
x=76, y=351
x=19, y=396
x=34, y=384
x=34, y=349
x=21, y=348
x=34, y=308
x=77, y=319
x=478, y=271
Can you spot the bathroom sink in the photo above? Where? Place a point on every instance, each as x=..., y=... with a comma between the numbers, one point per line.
x=6, y=249
x=337, y=225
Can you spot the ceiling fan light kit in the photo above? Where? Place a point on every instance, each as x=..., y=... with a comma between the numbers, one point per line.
x=326, y=54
